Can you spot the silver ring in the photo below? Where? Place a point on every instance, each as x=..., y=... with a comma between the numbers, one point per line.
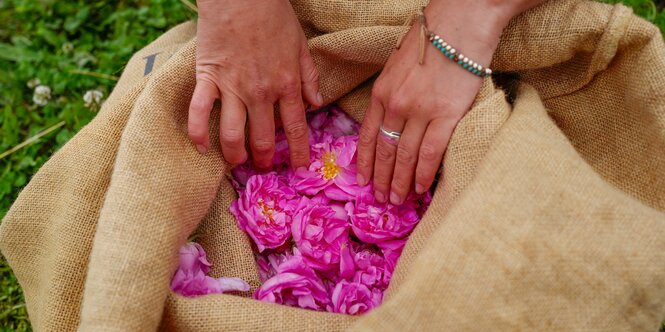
x=392, y=136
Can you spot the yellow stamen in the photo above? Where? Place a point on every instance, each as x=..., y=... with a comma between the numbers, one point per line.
x=267, y=211
x=330, y=169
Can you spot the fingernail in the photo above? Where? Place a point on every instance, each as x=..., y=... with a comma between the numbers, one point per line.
x=380, y=197
x=201, y=148
x=361, y=179
x=420, y=188
x=319, y=98
x=395, y=199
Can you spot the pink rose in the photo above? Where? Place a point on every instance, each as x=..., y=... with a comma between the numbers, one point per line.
x=296, y=285
x=191, y=280
x=332, y=170
x=392, y=250
x=264, y=210
x=269, y=264
x=354, y=298
x=374, y=222
x=193, y=258
x=366, y=265
x=319, y=231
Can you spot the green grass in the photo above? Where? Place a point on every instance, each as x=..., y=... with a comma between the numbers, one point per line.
x=73, y=47
x=64, y=44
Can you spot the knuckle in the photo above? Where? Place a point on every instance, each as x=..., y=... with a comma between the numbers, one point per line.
x=299, y=154
x=404, y=156
x=422, y=175
x=296, y=130
x=365, y=138
x=312, y=75
x=260, y=92
x=198, y=105
x=381, y=181
x=396, y=105
x=262, y=146
x=428, y=153
x=231, y=136
x=383, y=154
x=289, y=86
x=197, y=135
x=399, y=185
x=362, y=161
x=377, y=89
x=231, y=158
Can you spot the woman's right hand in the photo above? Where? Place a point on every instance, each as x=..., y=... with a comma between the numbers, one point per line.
x=252, y=54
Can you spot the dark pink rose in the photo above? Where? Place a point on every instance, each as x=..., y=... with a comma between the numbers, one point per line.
x=353, y=298
x=265, y=209
x=295, y=284
x=319, y=232
x=332, y=170
x=374, y=222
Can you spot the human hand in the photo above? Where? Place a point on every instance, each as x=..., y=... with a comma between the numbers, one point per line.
x=252, y=54
x=424, y=102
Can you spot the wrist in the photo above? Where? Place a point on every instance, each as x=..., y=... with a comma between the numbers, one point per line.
x=475, y=29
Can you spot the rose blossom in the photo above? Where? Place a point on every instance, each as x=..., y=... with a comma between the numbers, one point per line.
x=374, y=222
x=333, y=169
x=353, y=298
x=296, y=285
x=392, y=250
x=269, y=264
x=264, y=210
x=190, y=279
x=319, y=231
x=364, y=264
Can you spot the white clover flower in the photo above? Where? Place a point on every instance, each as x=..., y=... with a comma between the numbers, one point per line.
x=33, y=83
x=67, y=47
x=92, y=98
x=42, y=95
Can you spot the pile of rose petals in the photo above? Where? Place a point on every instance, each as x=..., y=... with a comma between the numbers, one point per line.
x=322, y=241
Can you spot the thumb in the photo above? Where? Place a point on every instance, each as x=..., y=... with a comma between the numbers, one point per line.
x=309, y=76
x=200, y=107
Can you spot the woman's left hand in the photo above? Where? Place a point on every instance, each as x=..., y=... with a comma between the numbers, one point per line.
x=424, y=102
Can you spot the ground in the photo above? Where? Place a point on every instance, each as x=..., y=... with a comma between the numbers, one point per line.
x=74, y=47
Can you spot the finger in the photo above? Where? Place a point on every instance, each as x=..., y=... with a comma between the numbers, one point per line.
x=292, y=112
x=203, y=99
x=386, y=149
x=406, y=160
x=310, y=78
x=431, y=152
x=262, y=134
x=232, y=129
x=367, y=142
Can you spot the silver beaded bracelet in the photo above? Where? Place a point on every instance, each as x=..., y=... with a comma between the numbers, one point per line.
x=451, y=53
x=445, y=48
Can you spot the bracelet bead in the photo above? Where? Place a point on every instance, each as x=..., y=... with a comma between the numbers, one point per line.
x=450, y=52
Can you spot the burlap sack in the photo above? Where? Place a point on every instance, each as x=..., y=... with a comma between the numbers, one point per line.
x=550, y=213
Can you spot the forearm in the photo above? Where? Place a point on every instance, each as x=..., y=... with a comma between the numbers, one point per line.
x=474, y=27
